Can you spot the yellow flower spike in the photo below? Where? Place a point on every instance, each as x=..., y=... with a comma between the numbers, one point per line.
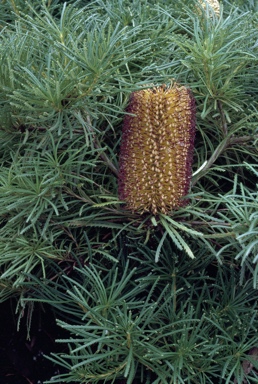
x=214, y=4
x=157, y=149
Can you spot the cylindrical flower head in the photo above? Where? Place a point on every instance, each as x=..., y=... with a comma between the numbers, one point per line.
x=157, y=149
x=214, y=4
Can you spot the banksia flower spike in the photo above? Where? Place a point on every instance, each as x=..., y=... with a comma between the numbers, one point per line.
x=214, y=4
x=157, y=149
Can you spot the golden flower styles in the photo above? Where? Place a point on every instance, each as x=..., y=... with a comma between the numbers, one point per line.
x=157, y=149
x=214, y=4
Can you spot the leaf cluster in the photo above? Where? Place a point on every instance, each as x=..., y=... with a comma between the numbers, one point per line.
x=154, y=299
x=152, y=323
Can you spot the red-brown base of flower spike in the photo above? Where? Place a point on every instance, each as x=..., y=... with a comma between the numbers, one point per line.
x=157, y=149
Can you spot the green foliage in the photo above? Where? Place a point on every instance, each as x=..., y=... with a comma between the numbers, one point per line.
x=243, y=219
x=164, y=299
x=153, y=323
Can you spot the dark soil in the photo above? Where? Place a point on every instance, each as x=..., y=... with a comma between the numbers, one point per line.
x=21, y=359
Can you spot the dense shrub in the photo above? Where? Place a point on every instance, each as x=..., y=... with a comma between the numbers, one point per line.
x=164, y=298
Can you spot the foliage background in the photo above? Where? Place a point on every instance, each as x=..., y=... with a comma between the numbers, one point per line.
x=166, y=299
